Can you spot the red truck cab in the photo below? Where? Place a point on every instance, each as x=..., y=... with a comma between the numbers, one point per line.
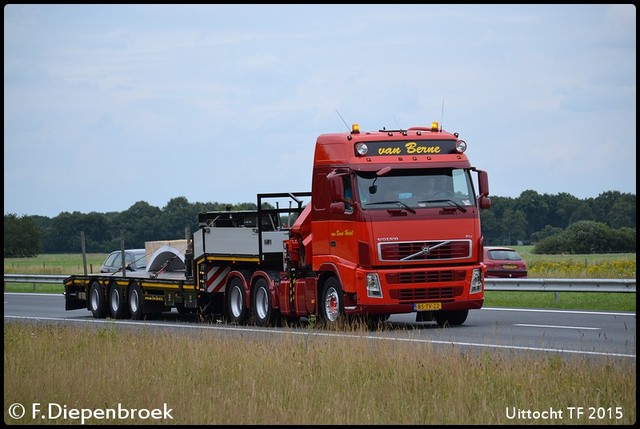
x=393, y=225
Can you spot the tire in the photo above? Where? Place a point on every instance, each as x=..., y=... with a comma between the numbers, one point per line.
x=97, y=302
x=136, y=301
x=117, y=305
x=236, y=308
x=331, y=305
x=262, y=311
x=451, y=318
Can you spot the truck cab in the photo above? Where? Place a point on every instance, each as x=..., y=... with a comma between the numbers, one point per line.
x=395, y=223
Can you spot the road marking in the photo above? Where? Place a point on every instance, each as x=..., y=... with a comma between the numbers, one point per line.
x=526, y=325
x=223, y=327
x=542, y=310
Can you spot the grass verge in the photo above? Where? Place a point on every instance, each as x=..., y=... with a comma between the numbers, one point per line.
x=294, y=380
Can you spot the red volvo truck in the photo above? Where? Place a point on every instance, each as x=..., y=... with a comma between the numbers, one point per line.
x=391, y=225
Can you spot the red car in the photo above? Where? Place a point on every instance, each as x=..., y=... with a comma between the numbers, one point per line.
x=504, y=262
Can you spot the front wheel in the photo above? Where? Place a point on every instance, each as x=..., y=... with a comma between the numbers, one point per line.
x=236, y=311
x=331, y=306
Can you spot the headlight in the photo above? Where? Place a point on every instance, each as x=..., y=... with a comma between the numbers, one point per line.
x=461, y=146
x=476, y=281
x=373, y=286
x=361, y=149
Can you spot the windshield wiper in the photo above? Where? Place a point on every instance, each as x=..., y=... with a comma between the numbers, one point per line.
x=461, y=208
x=409, y=209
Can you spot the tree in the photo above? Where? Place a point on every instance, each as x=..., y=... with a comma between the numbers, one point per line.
x=536, y=208
x=514, y=223
x=22, y=236
x=623, y=212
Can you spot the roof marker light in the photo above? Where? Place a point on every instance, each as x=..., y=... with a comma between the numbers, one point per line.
x=434, y=126
x=355, y=128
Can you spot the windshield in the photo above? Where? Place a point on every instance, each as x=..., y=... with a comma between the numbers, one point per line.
x=416, y=189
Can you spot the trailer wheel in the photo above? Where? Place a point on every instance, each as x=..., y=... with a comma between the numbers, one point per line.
x=97, y=303
x=451, y=318
x=331, y=305
x=136, y=301
x=117, y=306
x=236, y=304
x=262, y=311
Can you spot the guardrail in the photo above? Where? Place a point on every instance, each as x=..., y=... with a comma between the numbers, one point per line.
x=34, y=278
x=561, y=285
x=523, y=285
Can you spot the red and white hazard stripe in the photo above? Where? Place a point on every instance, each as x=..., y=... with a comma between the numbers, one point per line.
x=216, y=278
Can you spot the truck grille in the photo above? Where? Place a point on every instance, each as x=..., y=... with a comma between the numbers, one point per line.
x=425, y=250
x=425, y=276
x=412, y=295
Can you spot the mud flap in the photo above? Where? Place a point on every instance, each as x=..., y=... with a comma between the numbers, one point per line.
x=73, y=303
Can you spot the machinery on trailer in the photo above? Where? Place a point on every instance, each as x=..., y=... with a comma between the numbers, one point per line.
x=391, y=225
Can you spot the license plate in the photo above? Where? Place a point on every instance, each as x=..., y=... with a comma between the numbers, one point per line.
x=426, y=306
x=509, y=267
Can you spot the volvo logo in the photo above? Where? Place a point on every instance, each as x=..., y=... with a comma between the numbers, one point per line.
x=425, y=250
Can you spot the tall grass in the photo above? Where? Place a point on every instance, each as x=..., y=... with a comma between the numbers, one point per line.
x=58, y=264
x=293, y=380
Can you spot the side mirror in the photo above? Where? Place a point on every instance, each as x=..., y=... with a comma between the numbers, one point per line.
x=483, y=183
x=485, y=202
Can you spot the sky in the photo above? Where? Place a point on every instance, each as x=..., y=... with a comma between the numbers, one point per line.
x=109, y=105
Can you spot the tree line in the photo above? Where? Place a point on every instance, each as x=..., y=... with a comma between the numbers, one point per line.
x=558, y=223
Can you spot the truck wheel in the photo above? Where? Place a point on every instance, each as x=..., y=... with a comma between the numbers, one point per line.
x=117, y=306
x=236, y=306
x=136, y=301
x=451, y=318
x=331, y=304
x=262, y=311
x=97, y=303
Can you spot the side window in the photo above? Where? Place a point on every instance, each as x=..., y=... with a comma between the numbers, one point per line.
x=110, y=260
x=117, y=262
x=348, y=194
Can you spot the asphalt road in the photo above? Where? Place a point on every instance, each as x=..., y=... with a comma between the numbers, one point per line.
x=530, y=331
